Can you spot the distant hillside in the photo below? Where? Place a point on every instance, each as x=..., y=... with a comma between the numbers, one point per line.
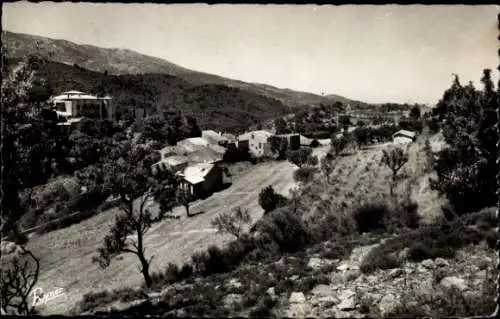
x=214, y=106
x=122, y=61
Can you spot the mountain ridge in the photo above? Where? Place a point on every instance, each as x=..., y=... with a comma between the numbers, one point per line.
x=121, y=61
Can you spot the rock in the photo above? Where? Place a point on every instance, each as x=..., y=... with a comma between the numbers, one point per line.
x=328, y=301
x=394, y=273
x=155, y=297
x=347, y=300
x=428, y=263
x=473, y=269
x=343, y=267
x=351, y=274
x=373, y=296
x=372, y=279
x=388, y=304
x=441, y=262
x=423, y=286
x=315, y=263
x=322, y=290
x=452, y=281
x=297, y=297
x=232, y=300
x=299, y=310
x=234, y=283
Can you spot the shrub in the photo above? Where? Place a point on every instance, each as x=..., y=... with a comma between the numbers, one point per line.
x=419, y=252
x=371, y=217
x=285, y=229
x=314, y=143
x=92, y=300
x=214, y=263
x=307, y=283
x=379, y=260
x=264, y=307
x=304, y=174
x=269, y=199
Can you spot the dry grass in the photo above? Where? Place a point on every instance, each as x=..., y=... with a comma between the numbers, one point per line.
x=66, y=254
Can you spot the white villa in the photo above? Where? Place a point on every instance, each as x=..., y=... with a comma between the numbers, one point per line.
x=76, y=104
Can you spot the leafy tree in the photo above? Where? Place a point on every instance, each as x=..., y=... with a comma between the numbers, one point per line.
x=345, y=121
x=193, y=128
x=269, y=199
x=232, y=223
x=338, y=144
x=129, y=176
x=465, y=169
x=280, y=126
x=154, y=129
x=363, y=135
x=299, y=157
x=415, y=112
x=394, y=159
x=279, y=145
x=17, y=282
x=30, y=141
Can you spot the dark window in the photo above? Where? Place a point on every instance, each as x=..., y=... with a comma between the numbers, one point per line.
x=61, y=107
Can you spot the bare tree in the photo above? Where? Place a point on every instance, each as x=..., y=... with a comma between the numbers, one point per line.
x=129, y=176
x=395, y=159
x=17, y=283
x=232, y=223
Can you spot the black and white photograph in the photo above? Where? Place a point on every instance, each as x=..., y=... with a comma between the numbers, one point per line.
x=249, y=160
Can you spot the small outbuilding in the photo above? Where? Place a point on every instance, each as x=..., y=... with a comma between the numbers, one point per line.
x=404, y=137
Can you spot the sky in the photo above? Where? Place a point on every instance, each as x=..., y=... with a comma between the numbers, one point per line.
x=377, y=54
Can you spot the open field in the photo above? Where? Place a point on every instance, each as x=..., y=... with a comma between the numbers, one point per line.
x=66, y=254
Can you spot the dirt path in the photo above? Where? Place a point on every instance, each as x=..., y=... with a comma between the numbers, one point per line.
x=66, y=254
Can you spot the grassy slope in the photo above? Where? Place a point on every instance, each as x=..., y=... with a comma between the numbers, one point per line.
x=66, y=254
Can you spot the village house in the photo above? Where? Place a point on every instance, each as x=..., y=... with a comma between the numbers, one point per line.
x=201, y=179
x=76, y=104
x=214, y=137
x=293, y=140
x=256, y=142
x=403, y=137
x=172, y=163
x=188, y=152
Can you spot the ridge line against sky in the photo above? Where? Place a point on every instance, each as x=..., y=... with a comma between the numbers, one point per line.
x=376, y=54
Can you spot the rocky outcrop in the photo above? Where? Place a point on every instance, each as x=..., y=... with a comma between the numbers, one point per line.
x=413, y=284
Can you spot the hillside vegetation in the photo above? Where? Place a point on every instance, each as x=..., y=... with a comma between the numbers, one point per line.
x=122, y=61
x=215, y=106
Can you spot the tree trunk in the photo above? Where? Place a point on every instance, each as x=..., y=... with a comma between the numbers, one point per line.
x=145, y=270
x=142, y=258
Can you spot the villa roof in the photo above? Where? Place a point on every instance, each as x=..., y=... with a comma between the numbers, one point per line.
x=195, y=174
